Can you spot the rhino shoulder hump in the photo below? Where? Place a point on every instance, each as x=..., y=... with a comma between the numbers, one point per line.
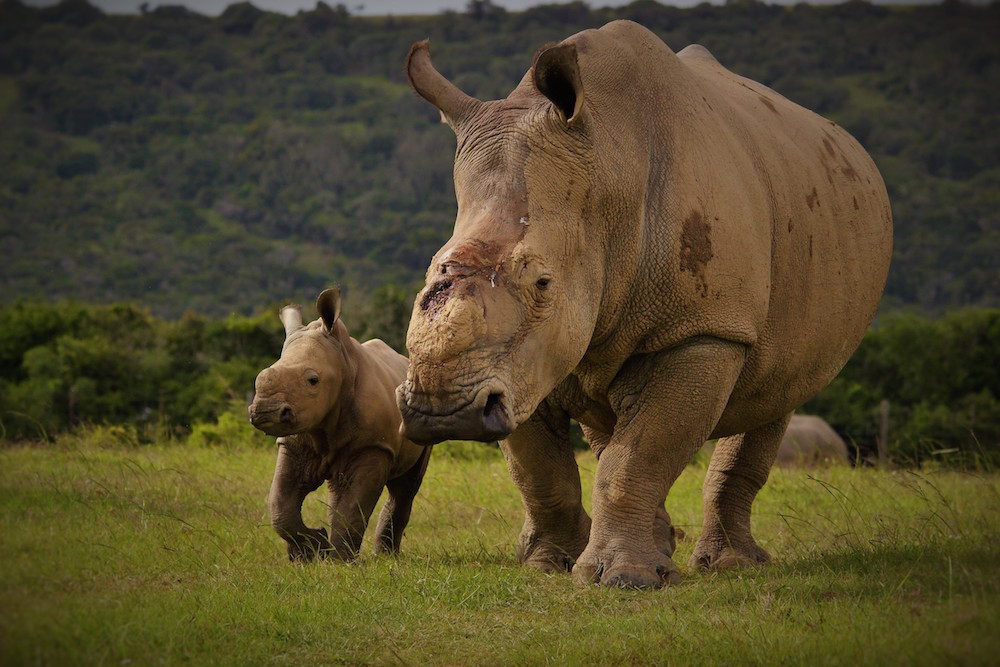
x=697, y=52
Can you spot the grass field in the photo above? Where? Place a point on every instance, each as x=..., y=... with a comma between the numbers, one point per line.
x=163, y=554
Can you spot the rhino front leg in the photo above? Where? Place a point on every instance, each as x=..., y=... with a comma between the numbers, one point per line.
x=355, y=488
x=664, y=533
x=395, y=513
x=667, y=404
x=541, y=463
x=740, y=465
x=295, y=476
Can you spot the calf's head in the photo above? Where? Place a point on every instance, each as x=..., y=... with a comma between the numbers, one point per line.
x=511, y=300
x=298, y=391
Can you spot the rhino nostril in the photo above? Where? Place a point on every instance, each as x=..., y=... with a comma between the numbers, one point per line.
x=494, y=415
x=286, y=415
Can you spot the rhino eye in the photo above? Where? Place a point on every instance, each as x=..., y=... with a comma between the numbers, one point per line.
x=313, y=380
x=542, y=283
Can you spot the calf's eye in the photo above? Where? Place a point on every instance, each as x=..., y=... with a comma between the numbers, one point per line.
x=542, y=283
x=313, y=380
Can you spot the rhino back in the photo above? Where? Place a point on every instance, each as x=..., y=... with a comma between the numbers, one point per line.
x=759, y=222
x=830, y=230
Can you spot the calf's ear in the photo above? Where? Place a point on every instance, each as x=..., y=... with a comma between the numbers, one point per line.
x=328, y=305
x=557, y=76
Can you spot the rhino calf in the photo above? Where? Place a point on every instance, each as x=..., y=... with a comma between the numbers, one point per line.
x=331, y=402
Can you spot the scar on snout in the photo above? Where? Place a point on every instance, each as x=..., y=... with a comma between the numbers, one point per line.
x=436, y=295
x=696, y=248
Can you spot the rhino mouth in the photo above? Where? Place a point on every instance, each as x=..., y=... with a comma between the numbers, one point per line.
x=485, y=418
x=273, y=418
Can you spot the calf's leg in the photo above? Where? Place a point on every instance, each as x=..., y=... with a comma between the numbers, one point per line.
x=296, y=474
x=395, y=513
x=355, y=486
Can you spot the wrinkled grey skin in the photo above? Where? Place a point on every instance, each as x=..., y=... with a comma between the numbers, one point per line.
x=810, y=441
x=665, y=252
x=331, y=401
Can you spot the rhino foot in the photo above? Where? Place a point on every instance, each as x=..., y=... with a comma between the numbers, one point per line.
x=727, y=556
x=305, y=547
x=665, y=534
x=547, y=558
x=622, y=570
x=553, y=550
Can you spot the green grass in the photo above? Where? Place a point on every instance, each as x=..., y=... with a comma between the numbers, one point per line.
x=8, y=93
x=116, y=554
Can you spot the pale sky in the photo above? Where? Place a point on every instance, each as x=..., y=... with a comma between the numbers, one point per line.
x=377, y=7
x=370, y=7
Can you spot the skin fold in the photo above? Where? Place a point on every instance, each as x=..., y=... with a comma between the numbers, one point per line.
x=655, y=247
x=331, y=401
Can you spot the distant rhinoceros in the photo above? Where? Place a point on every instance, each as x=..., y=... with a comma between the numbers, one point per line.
x=809, y=441
x=664, y=251
x=332, y=402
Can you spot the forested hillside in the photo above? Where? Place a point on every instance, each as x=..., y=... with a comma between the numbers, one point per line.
x=226, y=164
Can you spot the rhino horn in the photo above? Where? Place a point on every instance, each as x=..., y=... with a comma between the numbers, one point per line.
x=557, y=76
x=454, y=105
x=291, y=317
x=328, y=305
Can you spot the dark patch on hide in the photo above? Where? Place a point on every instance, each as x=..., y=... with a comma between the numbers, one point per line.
x=768, y=104
x=829, y=147
x=696, y=248
x=856, y=207
x=789, y=225
x=848, y=170
x=810, y=246
x=812, y=199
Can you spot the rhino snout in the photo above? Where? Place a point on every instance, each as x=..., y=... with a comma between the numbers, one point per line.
x=485, y=418
x=272, y=418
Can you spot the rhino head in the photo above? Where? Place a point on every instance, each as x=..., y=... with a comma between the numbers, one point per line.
x=297, y=392
x=512, y=299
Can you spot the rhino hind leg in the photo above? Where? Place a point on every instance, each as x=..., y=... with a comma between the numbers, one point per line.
x=739, y=468
x=541, y=462
x=395, y=514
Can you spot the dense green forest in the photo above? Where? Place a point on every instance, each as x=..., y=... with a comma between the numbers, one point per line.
x=168, y=179
x=227, y=164
x=65, y=365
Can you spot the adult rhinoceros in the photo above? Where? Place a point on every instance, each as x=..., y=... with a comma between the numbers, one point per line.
x=660, y=249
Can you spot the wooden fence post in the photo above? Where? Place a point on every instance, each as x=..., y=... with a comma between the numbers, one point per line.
x=883, y=437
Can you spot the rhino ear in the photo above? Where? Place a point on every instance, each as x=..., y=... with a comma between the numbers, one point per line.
x=328, y=305
x=291, y=317
x=557, y=76
x=454, y=105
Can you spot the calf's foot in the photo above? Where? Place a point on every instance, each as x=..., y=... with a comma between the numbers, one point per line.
x=307, y=545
